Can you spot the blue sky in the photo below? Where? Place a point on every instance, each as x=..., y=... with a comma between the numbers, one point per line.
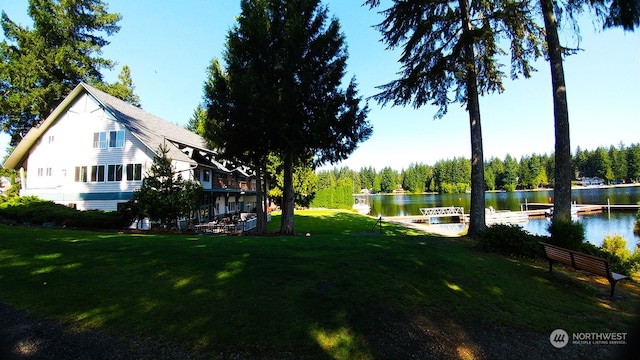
x=169, y=44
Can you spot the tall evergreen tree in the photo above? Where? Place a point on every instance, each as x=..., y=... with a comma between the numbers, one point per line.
x=39, y=67
x=123, y=89
x=563, y=170
x=633, y=163
x=454, y=45
x=388, y=179
x=367, y=176
x=511, y=168
x=233, y=117
x=496, y=167
x=197, y=121
x=283, y=88
x=618, y=158
x=612, y=13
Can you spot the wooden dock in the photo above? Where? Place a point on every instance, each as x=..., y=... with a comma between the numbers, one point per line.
x=530, y=210
x=583, y=208
x=430, y=213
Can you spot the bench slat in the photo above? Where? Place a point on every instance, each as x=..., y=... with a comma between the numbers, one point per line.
x=562, y=256
x=599, y=267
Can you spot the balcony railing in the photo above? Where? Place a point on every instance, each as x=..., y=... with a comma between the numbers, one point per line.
x=221, y=183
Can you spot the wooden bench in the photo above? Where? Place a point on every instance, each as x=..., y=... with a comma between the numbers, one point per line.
x=580, y=261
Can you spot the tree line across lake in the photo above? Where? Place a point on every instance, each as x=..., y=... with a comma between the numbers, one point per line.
x=335, y=187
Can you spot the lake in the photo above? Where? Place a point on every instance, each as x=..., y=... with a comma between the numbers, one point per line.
x=597, y=226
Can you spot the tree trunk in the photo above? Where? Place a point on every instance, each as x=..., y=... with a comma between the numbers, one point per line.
x=286, y=225
x=476, y=216
x=265, y=197
x=261, y=217
x=562, y=172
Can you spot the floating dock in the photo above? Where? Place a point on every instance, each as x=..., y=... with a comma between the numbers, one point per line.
x=529, y=210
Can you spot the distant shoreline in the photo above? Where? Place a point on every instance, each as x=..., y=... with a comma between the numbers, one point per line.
x=576, y=187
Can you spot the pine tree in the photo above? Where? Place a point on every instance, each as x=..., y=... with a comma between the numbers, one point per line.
x=623, y=13
x=123, y=89
x=450, y=54
x=283, y=87
x=164, y=195
x=197, y=122
x=40, y=67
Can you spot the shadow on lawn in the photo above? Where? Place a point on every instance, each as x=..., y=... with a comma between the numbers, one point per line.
x=289, y=297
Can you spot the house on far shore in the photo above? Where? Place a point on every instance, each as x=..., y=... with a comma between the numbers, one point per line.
x=94, y=149
x=592, y=181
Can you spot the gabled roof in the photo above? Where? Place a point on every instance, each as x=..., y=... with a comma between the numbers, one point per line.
x=151, y=130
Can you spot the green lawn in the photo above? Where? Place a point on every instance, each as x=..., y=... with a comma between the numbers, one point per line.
x=324, y=293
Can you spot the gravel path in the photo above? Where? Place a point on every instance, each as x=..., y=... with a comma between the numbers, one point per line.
x=23, y=337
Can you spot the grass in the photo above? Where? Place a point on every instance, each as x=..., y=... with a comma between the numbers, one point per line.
x=320, y=295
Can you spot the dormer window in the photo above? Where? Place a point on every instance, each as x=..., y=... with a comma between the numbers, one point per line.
x=112, y=139
x=116, y=139
x=100, y=140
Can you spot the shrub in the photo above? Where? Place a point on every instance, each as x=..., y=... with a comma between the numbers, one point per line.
x=566, y=234
x=619, y=265
x=36, y=211
x=509, y=240
x=635, y=261
x=616, y=245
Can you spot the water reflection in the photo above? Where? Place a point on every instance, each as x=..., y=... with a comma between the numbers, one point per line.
x=596, y=226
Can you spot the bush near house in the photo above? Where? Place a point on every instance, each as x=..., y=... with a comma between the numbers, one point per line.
x=31, y=210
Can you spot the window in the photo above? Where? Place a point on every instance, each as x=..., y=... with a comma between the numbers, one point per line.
x=134, y=172
x=40, y=172
x=100, y=140
x=51, y=138
x=137, y=172
x=206, y=177
x=120, y=139
x=49, y=171
x=97, y=173
x=196, y=174
x=114, y=172
x=81, y=174
x=116, y=139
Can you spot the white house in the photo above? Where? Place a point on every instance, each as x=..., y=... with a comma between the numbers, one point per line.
x=94, y=149
x=592, y=181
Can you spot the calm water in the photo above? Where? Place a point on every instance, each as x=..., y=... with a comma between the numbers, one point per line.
x=597, y=226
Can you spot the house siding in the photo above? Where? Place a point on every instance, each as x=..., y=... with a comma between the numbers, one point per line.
x=69, y=143
x=80, y=154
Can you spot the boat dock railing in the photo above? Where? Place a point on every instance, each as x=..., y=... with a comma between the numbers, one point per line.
x=429, y=213
x=443, y=211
